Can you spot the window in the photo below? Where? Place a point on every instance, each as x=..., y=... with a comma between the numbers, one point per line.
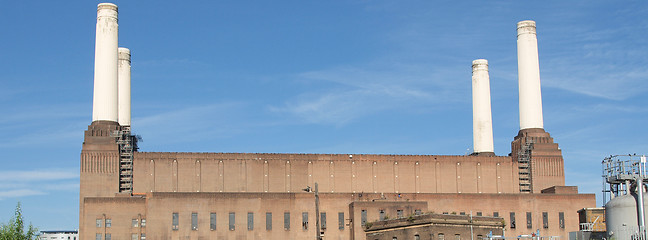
x=495, y=214
x=417, y=237
x=363, y=217
x=108, y=223
x=268, y=221
x=446, y=213
x=135, y=223
x=194, y=221
x=441, y=236
x=108, y=236
x=232, y=218
x=174, y=221
x=399, y=213
x=143, y=236
x=512, y=220
x=545, y=220
x=479, y=213
x=457, y=237
x=528, y=218
x=98, y=236
x=323, y=220
x=381, y=213
x=394, y=238
x=212, y=221
x=250, y=221
x=99, y=221
x=143, y=224
x=305, y=220
x=417, y=212
x=462, y=213
x=134, y=236
x=286, y=221
x=341, y=220
x=561, y=219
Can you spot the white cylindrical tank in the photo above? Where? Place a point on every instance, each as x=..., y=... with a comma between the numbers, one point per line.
x=529, y=76
x=621, y=216
x=124, y=86
x=104, y=104
x=482, y=119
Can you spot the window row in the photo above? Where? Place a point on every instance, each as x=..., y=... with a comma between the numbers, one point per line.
x=545, y=220
x=231, y=217
x=108, y=236
x=135, y=222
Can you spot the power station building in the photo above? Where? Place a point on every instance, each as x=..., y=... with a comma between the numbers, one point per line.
x=130, y=194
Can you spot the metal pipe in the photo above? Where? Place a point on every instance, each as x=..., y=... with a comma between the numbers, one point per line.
x=640, y=209
x=317, y=214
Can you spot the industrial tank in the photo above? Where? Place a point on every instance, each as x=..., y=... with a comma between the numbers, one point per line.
x=621, y=216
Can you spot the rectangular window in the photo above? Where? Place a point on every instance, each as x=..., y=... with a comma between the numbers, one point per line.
x=462, y=213
x=545, y=220
x=286, y=221
x=134, y=236
x=323, y=220
x=363, y=217
x=495, y=214
x=381, y=214
x=108, y=223
x=457, y=237
x=143, y=224
x=212, y=221
x=512, y=220
x=528, y=218
x=108, y=237
x=268, y=221
x=98, y=236
x=134, y=223
x=174, y=221
x=479, y=213
x=417, y=212
x=99, y=222
x=341, y=220
x=232, y=218
x=561, y=219
x=250, y=221
x=399, y=213
x=194, y=221
x=305, y=220
x=143, y=236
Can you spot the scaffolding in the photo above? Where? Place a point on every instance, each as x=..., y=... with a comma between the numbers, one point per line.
x=524, y=166
x=127, y=146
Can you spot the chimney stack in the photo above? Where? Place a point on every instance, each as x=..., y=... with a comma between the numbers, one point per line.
x=529, y=76
x=124, y=84
x=105, y=100
x=482, y=120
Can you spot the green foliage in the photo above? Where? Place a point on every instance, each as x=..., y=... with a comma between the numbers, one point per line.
x=15, y=228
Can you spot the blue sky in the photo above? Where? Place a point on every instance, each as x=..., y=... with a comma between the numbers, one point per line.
x=389, y=77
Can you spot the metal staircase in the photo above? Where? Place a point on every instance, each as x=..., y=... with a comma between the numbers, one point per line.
x=127, y=146
x=524, y=167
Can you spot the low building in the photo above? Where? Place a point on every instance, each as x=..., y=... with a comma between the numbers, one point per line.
x=435, y=226
x=60, y=235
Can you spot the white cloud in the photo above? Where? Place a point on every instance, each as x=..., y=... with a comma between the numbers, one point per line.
x=38, y=175
x=19, y=193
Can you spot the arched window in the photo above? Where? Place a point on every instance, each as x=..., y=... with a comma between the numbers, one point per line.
x=441, y=236
x=417, y=237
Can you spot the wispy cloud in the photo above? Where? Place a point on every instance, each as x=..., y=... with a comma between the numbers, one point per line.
x=25, y=183
x=361, y=91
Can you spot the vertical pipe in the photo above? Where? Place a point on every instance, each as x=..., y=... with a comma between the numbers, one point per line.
x=317, y=214
x=482, y=119
x=640, y=209
x=124, y=87
x=104, y=105
x=529, y=76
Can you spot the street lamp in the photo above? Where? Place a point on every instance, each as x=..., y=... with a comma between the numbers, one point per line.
x=317, y=213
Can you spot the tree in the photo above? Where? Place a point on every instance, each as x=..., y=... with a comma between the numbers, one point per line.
x=15, y=228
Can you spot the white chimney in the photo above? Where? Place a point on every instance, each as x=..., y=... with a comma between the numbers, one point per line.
x=124, y=84
x=529, y=76
x=104, y=106
x=482, y=120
